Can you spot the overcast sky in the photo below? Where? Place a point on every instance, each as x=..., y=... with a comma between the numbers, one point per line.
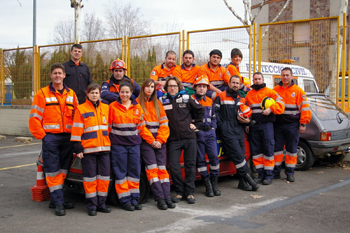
x=16, y=27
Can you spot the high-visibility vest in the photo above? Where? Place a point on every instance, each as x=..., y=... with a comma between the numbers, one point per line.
x=90, y=127
x=158, y=127
x=52, y=112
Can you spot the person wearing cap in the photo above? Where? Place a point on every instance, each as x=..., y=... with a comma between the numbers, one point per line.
x=180, y=109
x=261, y=134
x=187, y=72
x=230, y=128
x=110, y=88
x=216, y=73
x=233, y=69
x=78, y=75
x=206, y=139
x=160, y=72
x=290, y=123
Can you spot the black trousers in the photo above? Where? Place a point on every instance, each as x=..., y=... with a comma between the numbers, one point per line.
x=175, y=148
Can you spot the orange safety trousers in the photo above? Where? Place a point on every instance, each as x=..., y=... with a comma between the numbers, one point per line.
x=96, y=178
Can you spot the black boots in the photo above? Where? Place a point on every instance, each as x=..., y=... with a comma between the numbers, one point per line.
x=208, y=188
x=214, y=183
x=59, y=210
x=251, y=182
x=243, y=185
x=161, y=204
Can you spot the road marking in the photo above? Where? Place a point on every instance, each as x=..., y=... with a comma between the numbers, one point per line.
x=36, y=143
x=15, y=154
x=237, y=215
x=25, y=165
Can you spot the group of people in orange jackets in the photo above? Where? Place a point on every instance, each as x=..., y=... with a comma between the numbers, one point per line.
x=114, y=129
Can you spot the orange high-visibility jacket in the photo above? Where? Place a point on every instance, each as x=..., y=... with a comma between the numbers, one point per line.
x=90, y=127
x=217, y=78
x=158, y=127
x=160, y=72
x=234, y=70
x=127, y=125
x=52, y=112
x=254, y=99
x=297, y=106
x=186, y=76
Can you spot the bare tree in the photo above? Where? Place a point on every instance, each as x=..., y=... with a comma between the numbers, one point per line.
x=93, y=28
x=63, y=32
x=249, y=18
x=125, y=21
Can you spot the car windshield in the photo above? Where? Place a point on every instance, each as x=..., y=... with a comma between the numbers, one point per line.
x=325, y=109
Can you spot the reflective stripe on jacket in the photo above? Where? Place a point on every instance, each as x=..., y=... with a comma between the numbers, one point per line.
x=127, y=126
x=245, y=82
x=226, y=108
x=219, y=77
x=186, y=76
x=296, y=104
x=158, y=127
x=110, y=90
x=90, y=127
x=209, y=119
x=180, y=110
x=52, y=112
x=160, y=72
x=254, y=99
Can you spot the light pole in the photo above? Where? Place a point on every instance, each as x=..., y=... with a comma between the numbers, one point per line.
x=76, y=4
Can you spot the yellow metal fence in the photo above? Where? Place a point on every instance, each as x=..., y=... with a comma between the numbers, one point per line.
x=313, y=44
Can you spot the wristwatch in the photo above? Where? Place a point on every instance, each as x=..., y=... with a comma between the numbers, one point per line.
x=303, y=125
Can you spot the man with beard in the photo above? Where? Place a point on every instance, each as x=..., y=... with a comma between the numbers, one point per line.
x=160, y=72
x=217, y=74
x=110, y=88
x=261, y=135
x=231, y=130
x=78, y=75
x=187, y=72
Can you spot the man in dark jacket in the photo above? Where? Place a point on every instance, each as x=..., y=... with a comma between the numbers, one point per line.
x=180, y=107
x=110, y=88
x=78, y=75
x=231, y=130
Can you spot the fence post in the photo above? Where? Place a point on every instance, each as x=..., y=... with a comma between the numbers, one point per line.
x=254, y=48
x=259, y=53
x=343, y=63
x=2, y=76
x=38, y=70
x=127, y=41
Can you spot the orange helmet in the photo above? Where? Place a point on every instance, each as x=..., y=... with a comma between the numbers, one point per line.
x=244, y=111
x=117, y=64
x=203, y=79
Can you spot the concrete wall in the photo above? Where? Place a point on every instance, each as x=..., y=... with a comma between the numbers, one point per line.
x=14, y=120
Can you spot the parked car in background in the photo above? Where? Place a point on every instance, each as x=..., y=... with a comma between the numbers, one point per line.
x=340, y=82
x=327, y=137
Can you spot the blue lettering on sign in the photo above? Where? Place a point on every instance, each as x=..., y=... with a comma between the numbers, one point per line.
x=276, y=69
x=248, y=67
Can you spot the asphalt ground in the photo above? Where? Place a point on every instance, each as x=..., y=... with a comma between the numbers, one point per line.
x=317, y=202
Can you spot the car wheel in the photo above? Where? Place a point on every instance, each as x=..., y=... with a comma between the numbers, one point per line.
x=305, y=157
x=145, y=188
x=112, y=194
